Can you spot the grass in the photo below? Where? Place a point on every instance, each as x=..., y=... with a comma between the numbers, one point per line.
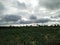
x=41, y=35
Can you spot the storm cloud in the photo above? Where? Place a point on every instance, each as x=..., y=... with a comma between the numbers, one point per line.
x=43, y=20
x=20, y=5
x=25, y=22
x=32, y=17
x=2, y=8
x=9, y=18
x=50, y=4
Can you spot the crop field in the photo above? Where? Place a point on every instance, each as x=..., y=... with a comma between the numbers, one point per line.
x=41, y=35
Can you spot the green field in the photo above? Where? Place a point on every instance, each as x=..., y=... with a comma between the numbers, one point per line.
x=41, y=35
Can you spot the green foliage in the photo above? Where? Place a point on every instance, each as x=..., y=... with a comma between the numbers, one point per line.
x=41, y=35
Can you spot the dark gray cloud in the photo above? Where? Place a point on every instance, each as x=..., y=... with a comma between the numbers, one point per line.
x=25, y=22
x=32, y=17
x=56, y=16
x=1, y=8
x=50, y=4
x=11, y=18
x=2, y=22
x=20, y=5
x=43, y=20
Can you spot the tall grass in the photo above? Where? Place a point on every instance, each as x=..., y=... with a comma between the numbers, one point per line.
x=41, y=35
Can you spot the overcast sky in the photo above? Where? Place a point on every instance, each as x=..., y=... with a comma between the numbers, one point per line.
x=29, y=11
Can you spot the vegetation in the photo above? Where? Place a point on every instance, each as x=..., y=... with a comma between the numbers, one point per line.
x=38, y=35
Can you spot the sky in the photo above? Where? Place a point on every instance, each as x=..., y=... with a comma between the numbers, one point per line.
x=29, y=12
